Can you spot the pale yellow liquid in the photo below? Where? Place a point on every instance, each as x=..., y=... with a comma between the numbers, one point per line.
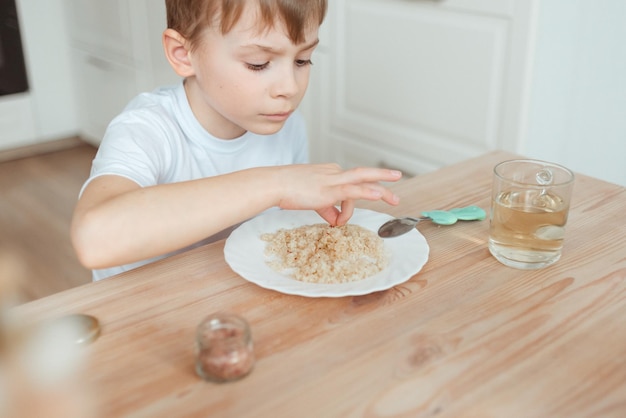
x=527, y=228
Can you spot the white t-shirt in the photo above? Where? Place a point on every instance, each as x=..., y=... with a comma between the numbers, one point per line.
x=157, y=140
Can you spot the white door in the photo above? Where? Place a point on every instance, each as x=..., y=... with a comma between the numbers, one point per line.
x=417, y=85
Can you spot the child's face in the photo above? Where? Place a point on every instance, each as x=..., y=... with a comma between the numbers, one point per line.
x=246, y=80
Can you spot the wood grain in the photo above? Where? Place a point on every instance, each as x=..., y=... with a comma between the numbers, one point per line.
x=465, y=337
x=37, y=198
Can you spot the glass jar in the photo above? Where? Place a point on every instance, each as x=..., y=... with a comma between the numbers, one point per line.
x=224, y=349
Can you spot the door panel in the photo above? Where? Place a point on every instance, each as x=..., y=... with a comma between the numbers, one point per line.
x=423, y=81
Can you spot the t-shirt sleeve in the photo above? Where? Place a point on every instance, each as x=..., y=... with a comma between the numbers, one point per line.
x=133, y=148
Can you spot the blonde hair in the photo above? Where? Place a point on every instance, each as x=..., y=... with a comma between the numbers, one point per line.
x=191, y=17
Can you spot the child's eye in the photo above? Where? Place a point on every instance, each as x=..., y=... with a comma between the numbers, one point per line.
x=303, y=63
x=257, y=67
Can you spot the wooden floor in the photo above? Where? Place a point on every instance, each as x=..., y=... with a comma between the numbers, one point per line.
x=37, y=198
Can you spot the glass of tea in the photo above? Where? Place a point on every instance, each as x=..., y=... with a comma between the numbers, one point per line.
x=529, y=207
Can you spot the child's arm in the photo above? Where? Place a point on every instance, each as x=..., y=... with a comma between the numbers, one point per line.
x=117, y=222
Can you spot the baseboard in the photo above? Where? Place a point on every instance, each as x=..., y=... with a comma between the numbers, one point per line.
x=40, y=148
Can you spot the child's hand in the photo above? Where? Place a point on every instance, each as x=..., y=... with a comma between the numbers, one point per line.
x=322, y=186
x=338, y=217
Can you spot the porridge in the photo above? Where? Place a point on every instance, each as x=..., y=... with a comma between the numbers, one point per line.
x=320, y=253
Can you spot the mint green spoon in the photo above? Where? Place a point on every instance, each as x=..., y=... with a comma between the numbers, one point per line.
x=400, y=226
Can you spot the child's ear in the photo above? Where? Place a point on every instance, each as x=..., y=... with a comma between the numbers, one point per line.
x=177, y=52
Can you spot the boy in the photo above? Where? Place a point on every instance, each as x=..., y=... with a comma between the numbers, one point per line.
x=187, y=162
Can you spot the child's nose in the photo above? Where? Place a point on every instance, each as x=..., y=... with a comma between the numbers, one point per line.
x=286, y=84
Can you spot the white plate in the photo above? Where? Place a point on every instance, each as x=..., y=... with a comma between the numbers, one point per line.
x=244, y=252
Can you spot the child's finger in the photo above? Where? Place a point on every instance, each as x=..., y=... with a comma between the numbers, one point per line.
x=347, y=209
x=371, y=174
x=329, y=214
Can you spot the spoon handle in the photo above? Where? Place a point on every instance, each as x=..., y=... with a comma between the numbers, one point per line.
x=449, y=217
x=469, y=213
x=441, y=217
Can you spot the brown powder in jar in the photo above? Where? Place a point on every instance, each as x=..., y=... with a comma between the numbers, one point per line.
x=225, y=355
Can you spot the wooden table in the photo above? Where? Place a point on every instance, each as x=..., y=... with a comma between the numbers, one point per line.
x=466, y=336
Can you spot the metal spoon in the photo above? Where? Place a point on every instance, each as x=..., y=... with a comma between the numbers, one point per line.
x=399, y=226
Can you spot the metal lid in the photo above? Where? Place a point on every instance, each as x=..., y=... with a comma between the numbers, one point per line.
x=85, y=328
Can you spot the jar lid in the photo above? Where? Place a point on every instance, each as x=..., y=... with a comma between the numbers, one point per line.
x=85, y=328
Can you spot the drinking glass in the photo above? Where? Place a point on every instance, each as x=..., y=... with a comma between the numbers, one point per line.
x=529, y=208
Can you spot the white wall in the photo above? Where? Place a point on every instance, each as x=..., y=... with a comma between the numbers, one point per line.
x=577, y=114
x=48, y=110
x=44, y=29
